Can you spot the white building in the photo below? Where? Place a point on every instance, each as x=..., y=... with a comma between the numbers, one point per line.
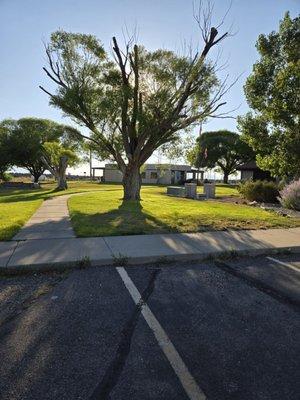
x=164, y=174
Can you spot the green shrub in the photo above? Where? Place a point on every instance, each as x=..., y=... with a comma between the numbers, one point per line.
x=6, y=177
x=260, y=191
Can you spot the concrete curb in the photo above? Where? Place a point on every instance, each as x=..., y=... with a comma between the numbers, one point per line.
x=131, y=261
x=41, y=247
x=58, y=254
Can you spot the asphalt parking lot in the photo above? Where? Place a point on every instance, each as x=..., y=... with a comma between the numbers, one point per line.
x=226, y=329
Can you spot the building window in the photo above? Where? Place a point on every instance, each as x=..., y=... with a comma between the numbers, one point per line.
x=143, y=175
x=153, y=175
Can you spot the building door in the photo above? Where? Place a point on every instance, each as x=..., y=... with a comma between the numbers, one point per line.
x=172, y=177
x=181, y=177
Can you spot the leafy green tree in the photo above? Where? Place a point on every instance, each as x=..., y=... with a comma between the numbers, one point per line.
x=25, y=139
x=5, y=161
x=178, y=150
x=193, y=155
x=56, y=159
x=272, y=90
x=135, y=101
x=222, y=149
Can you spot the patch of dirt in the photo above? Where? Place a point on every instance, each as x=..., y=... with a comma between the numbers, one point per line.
x=231, y=199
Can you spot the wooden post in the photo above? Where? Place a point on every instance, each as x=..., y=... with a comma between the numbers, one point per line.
x=91, y=168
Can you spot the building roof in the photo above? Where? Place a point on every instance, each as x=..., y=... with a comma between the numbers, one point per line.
x=155, y=167
x=249, y=166
x=173, y=167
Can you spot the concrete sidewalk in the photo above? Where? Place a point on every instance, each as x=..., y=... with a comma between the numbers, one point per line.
x=70, y=252
x=50, y=221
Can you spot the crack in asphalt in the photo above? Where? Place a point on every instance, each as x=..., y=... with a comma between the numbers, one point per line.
x=261, y=286
x=114, y=370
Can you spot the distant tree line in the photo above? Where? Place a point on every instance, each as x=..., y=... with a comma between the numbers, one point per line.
x=36, y=145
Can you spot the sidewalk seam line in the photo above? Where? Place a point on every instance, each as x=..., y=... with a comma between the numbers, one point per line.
x=108, y=246
x=10, y=257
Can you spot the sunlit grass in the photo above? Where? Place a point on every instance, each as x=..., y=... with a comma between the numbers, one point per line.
x=103, y=214
x=100, y=211
x=17, y=206
x=13, y=216
x=225, y=190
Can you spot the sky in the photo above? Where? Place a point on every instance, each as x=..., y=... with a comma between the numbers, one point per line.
x=27, y=24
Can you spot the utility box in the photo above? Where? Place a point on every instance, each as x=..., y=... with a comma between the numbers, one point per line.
x=191, y=190
x=209, y=190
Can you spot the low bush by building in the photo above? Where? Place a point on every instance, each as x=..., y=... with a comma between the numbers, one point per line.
x=290, y=196
x=260, y=191
x=6, y=177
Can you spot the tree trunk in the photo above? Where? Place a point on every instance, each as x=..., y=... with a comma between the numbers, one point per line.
x=61, y=174
x=132, y=182
x=225, y=178
x=36, y=177
x=61, y=182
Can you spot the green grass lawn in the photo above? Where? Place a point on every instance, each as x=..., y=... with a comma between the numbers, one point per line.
x=17, y=206
x=103, y=214
x=223, y=190
x=14, y=214
x=101, y=211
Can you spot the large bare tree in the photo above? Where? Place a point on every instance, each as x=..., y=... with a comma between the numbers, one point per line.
x=134, y=101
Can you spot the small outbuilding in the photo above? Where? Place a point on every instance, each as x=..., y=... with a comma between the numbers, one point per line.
x=164, y=174
x=250, y=171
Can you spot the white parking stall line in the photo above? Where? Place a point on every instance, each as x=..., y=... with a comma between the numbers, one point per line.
x=284, y=264
x=188, y=382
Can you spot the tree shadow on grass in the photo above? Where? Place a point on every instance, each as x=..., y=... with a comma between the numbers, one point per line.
x=30, y=196
x=128, y=219
x=6, y=197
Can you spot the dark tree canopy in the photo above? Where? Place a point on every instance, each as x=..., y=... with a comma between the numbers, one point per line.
x=25, y=139
x=134, y=101
x=272, y=92
x=222, y=149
